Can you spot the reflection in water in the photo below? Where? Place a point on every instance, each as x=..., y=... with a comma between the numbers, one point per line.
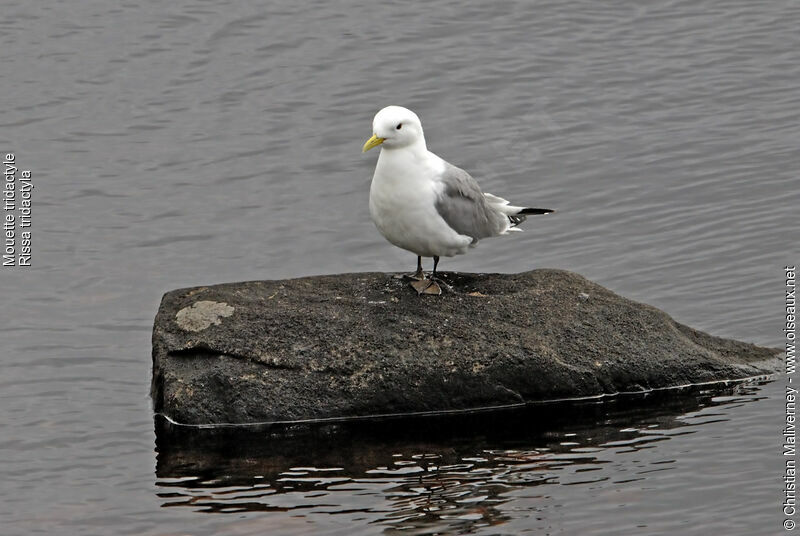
x=448, y=474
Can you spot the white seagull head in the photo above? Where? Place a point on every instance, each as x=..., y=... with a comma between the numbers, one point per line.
x=395, y=127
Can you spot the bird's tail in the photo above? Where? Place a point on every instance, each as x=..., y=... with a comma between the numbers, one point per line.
x=516, y=215
x=531, y=211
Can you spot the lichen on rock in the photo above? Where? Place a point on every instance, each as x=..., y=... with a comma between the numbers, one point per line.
x=202, y=314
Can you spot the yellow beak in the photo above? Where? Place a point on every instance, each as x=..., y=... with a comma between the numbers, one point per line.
x=374, y=141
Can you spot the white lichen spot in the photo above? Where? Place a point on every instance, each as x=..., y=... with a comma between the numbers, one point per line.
x=202, y=314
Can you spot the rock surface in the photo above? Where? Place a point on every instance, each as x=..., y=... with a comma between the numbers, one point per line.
x=355, y=345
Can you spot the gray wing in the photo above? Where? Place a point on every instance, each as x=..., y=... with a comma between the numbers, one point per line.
x=462, y=205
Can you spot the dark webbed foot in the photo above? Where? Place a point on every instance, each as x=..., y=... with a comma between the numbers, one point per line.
x=421, y=284
x=426, y=286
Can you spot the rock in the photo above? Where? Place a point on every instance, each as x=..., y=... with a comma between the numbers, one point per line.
x=356, y=345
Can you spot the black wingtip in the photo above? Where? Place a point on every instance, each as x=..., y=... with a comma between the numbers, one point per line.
x=530, y=211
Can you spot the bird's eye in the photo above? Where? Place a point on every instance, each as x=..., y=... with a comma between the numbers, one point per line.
x=399, y=126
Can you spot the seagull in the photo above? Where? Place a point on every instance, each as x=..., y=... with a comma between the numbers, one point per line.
x=421, y=203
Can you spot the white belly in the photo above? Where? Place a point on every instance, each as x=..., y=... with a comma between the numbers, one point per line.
x=403, y=208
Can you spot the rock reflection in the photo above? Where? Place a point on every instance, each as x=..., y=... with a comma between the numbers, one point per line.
x=448, y=474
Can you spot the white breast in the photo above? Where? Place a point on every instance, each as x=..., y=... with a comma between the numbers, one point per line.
x=402, y=201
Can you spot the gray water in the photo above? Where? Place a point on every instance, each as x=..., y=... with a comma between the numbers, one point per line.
x=189, y=143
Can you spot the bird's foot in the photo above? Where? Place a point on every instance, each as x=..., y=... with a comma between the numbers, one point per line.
x=426, y=286
x=416, y=276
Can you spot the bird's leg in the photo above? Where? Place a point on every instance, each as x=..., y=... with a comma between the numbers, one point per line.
x=419, y=274
x=418, y=280
x=434, y=287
